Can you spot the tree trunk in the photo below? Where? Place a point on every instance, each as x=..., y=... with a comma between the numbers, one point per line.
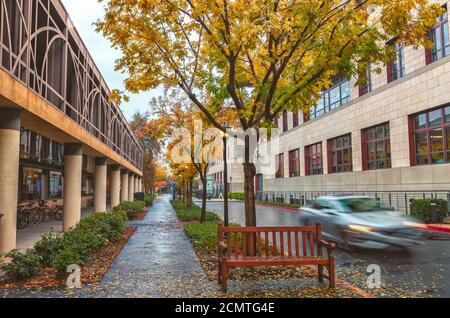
x=249, y=196
x=189, y=194
x=203, y=214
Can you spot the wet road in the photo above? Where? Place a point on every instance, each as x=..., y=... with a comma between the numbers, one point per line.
x=422, y=271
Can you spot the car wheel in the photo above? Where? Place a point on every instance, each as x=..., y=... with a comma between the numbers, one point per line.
x=345, y=245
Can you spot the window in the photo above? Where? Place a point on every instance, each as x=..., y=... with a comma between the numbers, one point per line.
x=367, y=87
x=279, y=166
x=377, y=147
x=294, y=163
x=431, y=136
x=396, y=65
x=295, y=120
x=314, y=161
x=340, y=150
x=285, y=121
x=439, y=36
x=336, y=96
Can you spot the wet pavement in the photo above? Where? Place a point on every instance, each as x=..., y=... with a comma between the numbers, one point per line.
x=422, y=271
x=157, y=261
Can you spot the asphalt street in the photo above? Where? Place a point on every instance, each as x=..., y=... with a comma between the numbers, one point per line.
x=422, y=271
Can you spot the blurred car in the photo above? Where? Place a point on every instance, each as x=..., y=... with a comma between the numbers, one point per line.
x=358, y=221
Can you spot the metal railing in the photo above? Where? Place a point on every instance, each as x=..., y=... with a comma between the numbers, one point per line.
x=400, y=200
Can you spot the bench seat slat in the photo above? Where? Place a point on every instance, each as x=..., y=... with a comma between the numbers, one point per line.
x=275, y=261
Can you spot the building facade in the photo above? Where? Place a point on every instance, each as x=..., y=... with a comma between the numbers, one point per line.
x=390, y=136
x=60, y=135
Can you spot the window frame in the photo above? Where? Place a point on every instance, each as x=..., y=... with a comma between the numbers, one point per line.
x=294, y=162
x=396, y=66
x=325, y=97
x=386, y=139
x=314, y=161
x=331, y=151
x=279, y=166
x=414, y=131
x=442, y=25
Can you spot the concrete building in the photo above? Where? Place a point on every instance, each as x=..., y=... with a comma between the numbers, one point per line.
x=389, y=137
x=60, y=136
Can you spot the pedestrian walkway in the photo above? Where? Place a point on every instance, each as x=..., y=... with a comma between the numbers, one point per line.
x=158, y=261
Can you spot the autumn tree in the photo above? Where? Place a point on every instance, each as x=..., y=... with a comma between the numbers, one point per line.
x=261, y=56
x=176, y=112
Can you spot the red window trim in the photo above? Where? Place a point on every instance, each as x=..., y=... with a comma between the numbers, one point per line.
x=293, y=159
x=295, y=120
x=429, y=52
x=413, y=131
x=364, y=146
x=308, y=160
x=330, y=153
x=279, y=166
x=285, y=121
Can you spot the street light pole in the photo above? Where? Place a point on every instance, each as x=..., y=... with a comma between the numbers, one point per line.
x=225, y=175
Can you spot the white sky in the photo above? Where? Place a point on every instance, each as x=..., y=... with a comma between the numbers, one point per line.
x=83, y=14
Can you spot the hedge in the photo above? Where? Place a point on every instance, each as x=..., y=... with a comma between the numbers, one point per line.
x=421, y=209
x=236, y=195
x=75, y=246
x=132, y=208
x=193, y=214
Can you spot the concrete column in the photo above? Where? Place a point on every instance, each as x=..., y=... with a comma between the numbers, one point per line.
x=73, y=162
x=140, y=184
x=124, y=185
x=9, y=176
x=115, y=186
x=131, y=186
x=136, y=184
x=45, y=185
x=100, y=184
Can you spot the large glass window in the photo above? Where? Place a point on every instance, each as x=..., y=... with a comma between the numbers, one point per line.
x=314, y=159
x=396, y=66
x=285, y=121
x=279, y=166
x=340, y=150
x=439, y=35
x=294, y=163
x=377, y=147
x=367, y=87
x=431, y=136
x=336, y=96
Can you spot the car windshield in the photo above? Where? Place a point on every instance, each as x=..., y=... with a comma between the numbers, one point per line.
x=360, y=205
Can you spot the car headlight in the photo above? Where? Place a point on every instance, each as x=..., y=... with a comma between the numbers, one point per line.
x=361, y=228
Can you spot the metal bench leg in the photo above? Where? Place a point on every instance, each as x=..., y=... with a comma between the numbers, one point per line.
x=320, y=273
x=331, y=272
x=224, y=277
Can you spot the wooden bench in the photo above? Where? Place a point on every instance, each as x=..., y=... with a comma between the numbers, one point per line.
x=273, y=246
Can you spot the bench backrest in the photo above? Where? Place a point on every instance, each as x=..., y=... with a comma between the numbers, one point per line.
x=271, y=241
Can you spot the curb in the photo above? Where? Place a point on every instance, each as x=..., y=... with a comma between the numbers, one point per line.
x=278, y=206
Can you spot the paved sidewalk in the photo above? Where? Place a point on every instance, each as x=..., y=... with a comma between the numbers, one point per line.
x=158, y=261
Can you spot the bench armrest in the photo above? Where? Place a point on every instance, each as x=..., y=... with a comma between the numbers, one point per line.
x=329, y=246
x=223, y=248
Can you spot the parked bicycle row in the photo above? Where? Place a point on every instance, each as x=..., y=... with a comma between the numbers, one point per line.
x=33, y=212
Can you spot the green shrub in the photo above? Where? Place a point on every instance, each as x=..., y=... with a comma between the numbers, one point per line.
x=109, y=226
x=204, y=235
x=83, y=242
x=422, y=209
x=48, y=247
x=132, y=208
x=193, y=214
x=63, y=259
x=148, y=199
x=236, y=195
x=22, y=265
x=290, y=205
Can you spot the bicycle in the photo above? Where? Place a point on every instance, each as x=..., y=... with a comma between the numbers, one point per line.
x=23, y=216
x=51, y=212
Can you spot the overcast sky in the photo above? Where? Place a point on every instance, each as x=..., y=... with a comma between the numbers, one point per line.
x=83, y=13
